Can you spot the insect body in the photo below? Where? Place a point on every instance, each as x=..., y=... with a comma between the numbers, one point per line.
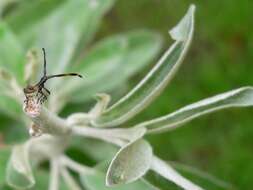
x=39, y=90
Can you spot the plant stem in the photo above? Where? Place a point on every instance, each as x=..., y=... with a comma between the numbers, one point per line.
x=102, y=134
x=54, y=175
x=69, y=180
x=71, y=164
x=48, y=122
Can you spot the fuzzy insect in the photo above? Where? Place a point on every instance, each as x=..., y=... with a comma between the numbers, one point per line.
x=39, y=90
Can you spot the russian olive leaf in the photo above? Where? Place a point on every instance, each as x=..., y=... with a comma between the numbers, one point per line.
x=63, y=31
x=166, y=171
x=42, y=181
x=19, y=173
x=130, y=163
x=28, y=13
x=241, y=97
x=111, y=62
x=155, y=81
x=100, y=62
x=12, y=57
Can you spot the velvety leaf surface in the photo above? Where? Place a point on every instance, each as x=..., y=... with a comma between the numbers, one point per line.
x=130, y=163
x=156, y=80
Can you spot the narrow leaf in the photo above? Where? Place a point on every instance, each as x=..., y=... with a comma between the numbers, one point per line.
x=12, y=57
x=155, y=81
x=165, y=170
x=19, y=173
x=42, y=179
x=130, y=163
x=102, y=60
x=104, y=72
x=10, y=103
x=241, y=97
x=30, y=12
x=63, y=31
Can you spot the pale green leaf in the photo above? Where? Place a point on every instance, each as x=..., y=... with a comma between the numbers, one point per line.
x=95, y=20
x=155, y=81
x=19, y=172
x=12, y=57
x=9, y=101
x=4, y=156
x=42, y=181
x=128, y=134
x=104, y=72
x=166, y=171
x=10, y=107
x=61, y=31
x=202, y=176
x=241, y=97
x=130, y=163
x=96, y=181
x=103, y=60
x=102, y=102
x=29, y=13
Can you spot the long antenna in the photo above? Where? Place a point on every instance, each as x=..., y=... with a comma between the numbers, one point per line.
x=45, y=77
x=63, y=75
x=45, y=62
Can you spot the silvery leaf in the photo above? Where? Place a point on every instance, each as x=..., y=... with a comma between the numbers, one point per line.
x=9, y=46
x=155, y=81
x=241, y=97
x=28, y=13
x=19, y=172
x=166, y=171
x=130, y=163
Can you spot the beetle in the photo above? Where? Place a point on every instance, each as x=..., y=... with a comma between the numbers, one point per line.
x=39, y=89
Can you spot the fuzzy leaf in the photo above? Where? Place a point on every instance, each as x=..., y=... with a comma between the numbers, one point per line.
x=98, y=65
x=166, y=171
x=42, y=180
x=11, y=53
x=9, y=103
x=241, y=97
x=63, y=31
x=130, y=163
x=135, y=50
x=30, y=12
x=19, y=173
x=4, y=155
x=96, y=181
x=10, y=107
x=155, y=81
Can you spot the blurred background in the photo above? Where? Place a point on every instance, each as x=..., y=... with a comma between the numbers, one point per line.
x=220, y=59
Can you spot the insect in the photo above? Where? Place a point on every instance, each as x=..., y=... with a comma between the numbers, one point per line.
x=39, y=89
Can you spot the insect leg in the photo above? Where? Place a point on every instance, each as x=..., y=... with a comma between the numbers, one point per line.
x=40, y=95
x=46, y=90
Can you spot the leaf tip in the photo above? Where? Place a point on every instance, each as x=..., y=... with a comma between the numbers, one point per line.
x=184, y=28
